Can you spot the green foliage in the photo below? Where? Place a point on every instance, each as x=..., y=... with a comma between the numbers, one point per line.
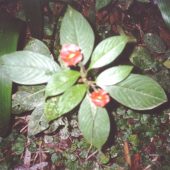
x=37, y=122
x=67, y=87
x=55, y=104
x=60, y=105
x=61, y=81
x=37, y=67
x=103, y=158
x=73, y=25
x=142, y=130
x=113, y=75
x=138, y=92
x=9, y=35
x=164, y=6
x=24, y=101
x=107, y=51
x=91, y=119
x=5, y=103
x=19, y=145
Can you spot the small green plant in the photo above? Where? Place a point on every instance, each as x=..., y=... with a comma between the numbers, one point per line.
x=71, y=86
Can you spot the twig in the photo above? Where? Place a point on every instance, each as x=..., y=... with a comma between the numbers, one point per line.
x=91, y=155
x=127, y=153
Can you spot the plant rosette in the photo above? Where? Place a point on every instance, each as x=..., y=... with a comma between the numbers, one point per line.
x=71, y=86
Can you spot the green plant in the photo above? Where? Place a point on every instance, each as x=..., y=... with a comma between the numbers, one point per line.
x=9, y=35
x=70, y=81
x=164, y=9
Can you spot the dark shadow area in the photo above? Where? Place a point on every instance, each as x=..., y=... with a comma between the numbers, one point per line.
x=113, y=129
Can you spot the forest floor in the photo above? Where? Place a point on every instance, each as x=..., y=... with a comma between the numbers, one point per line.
x=139, y=141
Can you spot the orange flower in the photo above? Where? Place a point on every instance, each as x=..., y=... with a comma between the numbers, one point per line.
x=71, y=54
x=100, y=97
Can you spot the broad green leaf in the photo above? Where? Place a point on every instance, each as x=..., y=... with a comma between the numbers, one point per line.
x=76, y=30
x=26, y=67
x=94, y=123
x=37, y=122
x=138, y=92
x=164, y=6
x=75, y=94
x=108, y=50
x=113, y=75
x=57, y=106
x=102, y=3
x=10, y=29
x=154, y=43
x=23, y=101
x=38, y=46
x=60, y=82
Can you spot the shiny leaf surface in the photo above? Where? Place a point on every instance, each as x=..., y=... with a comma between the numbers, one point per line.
x=94, y=123
x=57, y=106
x=108, y=50
x=26, y=67
x=61, y=81
x=113, y=75
x=76, y=30
x=138, y=92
